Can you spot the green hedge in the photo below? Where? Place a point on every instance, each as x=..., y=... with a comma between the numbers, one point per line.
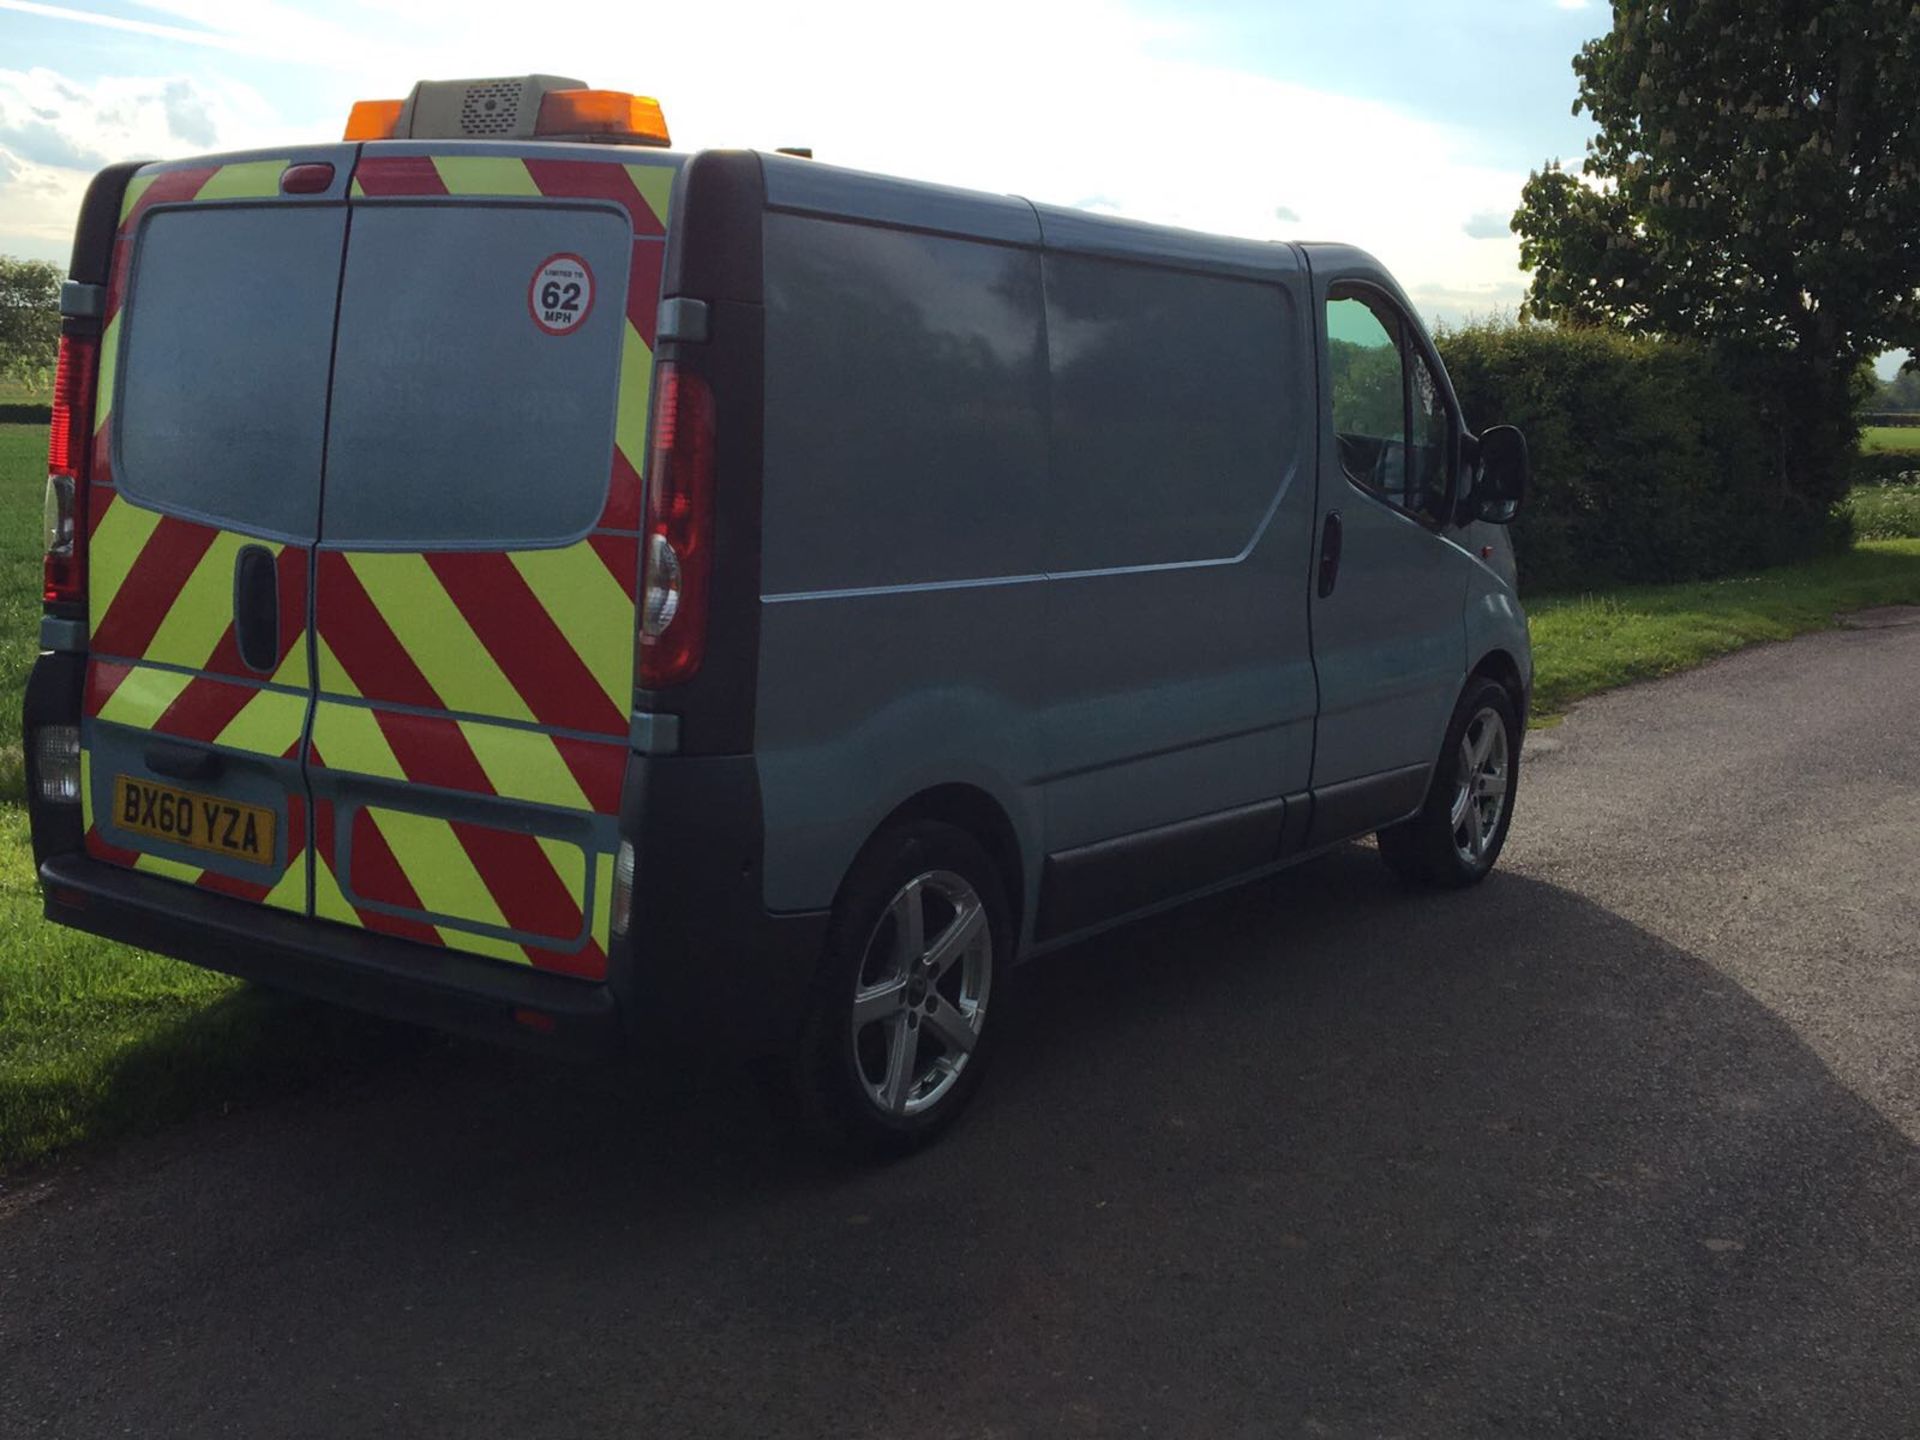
x=1886, y=467
x=1652, y=461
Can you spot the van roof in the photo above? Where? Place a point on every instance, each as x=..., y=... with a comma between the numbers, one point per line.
x=810, y=187
x=807, y=186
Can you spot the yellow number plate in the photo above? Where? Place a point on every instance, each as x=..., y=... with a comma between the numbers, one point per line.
x=185, y=817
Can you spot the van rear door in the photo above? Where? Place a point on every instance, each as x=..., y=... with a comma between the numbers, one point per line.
x=202, y=512
x=478, y=554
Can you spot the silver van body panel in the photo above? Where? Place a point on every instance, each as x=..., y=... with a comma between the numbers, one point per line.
x=1041, y=500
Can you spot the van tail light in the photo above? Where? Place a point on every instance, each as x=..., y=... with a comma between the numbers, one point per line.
x=67, y=460
x=677, y=530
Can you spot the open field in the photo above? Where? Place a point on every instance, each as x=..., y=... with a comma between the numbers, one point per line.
x=97, y=1039
x=1890, y=437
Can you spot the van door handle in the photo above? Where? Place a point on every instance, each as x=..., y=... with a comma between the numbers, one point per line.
x=256, y=608
x=1330, y=553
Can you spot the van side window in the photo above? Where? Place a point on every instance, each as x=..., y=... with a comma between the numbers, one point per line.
x=1369, y=408
x=1391, y=425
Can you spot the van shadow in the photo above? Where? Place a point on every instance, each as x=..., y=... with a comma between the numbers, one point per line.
x=1319, y=1153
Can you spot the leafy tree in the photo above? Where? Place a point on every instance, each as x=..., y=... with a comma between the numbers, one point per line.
x=1755, y=183
x=29, y=319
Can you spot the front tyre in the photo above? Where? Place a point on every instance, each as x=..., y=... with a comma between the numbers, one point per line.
x=1458, y=834
x=895, y=1040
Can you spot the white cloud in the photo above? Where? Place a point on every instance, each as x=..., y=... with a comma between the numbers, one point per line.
x=54, y=133
x=1086, y=109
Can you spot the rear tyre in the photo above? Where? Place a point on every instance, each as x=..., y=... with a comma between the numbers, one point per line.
x=1459, y=832
x=895, y=1040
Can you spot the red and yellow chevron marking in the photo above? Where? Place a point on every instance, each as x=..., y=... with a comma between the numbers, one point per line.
x=473, y=872
x=529, y=685
x=514, y=651
x=161, y=589
x=473, y=757
x=534, y=636
x=481, y=875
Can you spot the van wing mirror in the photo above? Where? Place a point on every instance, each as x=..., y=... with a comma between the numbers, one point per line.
x=1501, y=476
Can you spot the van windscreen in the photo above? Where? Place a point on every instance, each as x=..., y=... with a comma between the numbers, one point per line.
x=476, y=375
x=223, y=365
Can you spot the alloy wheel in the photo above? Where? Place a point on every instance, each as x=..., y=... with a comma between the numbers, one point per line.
x=920, y=1000
x=1480, y=786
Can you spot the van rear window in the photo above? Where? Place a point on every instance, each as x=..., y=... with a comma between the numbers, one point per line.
x=223, y=364
x=467, y=412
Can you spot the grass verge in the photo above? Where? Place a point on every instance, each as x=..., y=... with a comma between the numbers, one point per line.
x=98, y=1040
x=23, y=478
x=1583, y=644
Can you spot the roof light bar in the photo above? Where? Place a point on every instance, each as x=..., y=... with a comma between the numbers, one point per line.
x=523, y=107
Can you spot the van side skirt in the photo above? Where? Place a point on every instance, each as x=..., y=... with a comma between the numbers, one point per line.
x=1093, y=885
x=1353, y=807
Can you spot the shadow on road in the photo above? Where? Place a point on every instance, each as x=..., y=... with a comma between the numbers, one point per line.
x=1323, y=1156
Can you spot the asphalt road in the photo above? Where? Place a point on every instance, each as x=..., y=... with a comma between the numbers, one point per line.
x=1622, y=1142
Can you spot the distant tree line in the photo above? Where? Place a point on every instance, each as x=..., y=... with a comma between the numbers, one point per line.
x=1902, y=393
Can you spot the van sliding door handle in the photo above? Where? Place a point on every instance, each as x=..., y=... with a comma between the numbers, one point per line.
x=256, y=608
x=1330, y=553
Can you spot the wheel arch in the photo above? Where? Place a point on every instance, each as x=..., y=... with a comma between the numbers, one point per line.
x=1499, y=666
x=969, y=808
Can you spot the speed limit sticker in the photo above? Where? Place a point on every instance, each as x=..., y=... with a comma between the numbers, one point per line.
x=561, y=294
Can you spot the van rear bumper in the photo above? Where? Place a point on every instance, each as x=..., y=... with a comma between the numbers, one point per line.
x=467, y=994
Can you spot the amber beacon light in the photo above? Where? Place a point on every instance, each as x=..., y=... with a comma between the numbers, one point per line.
x=374, y=119
x=602, y=112
x=524, y=107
